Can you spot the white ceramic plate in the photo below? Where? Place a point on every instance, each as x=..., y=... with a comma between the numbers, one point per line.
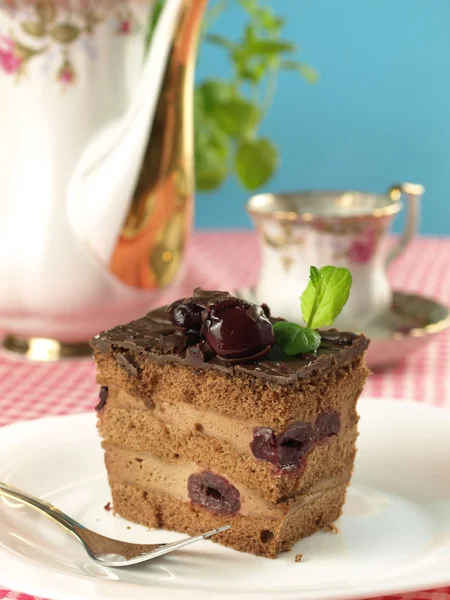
x=394, y=535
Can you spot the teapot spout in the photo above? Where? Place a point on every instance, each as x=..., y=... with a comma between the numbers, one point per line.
x=150, y=246
x=121, y=182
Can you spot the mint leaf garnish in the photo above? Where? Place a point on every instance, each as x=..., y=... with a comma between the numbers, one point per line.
x=324, y=298
x=295, y=339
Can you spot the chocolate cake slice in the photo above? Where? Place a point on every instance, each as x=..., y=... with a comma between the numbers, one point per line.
x=205, y=421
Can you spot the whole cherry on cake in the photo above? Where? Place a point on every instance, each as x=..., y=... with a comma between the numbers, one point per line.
x=232, y=328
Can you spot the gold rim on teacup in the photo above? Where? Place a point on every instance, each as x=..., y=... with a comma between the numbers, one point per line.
x=288, y=206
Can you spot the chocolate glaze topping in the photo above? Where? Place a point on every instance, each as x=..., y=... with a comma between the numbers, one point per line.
x=155, y=337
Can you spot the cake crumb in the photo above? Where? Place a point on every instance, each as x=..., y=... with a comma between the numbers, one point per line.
x=107, y=506
x=128, y=527
x=298, y=557
x=331, y=528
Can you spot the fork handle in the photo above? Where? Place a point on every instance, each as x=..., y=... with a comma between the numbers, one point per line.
x=44, y=507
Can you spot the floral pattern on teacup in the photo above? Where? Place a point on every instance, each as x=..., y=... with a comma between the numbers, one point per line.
x=44, y=26
x=363, y=247
x=362, y=250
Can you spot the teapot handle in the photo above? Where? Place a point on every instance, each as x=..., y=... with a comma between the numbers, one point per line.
x=413, y=193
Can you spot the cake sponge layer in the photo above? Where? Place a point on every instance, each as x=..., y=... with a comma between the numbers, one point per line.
x=261, y=536
x=240, y=396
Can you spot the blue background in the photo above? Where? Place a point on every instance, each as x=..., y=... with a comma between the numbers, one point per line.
x=379, y=114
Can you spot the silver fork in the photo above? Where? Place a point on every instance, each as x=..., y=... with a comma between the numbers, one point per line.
x=104, y=550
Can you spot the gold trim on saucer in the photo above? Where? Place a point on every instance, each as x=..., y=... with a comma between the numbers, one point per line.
x=45, y=349
x=404, y=305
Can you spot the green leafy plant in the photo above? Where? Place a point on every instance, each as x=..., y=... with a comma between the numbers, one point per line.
x=321, y=302
x=229, y=112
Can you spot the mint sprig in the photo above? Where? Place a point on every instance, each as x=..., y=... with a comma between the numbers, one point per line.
x=321, y=302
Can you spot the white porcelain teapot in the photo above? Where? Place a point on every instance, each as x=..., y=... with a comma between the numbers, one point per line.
x=96, y=179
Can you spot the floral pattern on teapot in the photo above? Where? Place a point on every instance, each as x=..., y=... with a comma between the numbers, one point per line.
x=51, y=28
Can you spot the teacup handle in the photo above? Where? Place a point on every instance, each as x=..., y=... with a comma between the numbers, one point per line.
x=413, y=193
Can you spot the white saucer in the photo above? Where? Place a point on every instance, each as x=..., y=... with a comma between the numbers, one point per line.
x=394, y=535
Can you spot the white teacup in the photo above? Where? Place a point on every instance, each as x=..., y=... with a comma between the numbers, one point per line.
x=345, y=228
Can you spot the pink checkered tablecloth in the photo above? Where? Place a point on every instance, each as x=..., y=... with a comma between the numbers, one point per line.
x=226, y=261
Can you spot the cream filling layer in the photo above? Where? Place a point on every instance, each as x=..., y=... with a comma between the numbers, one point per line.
x=150, y=473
